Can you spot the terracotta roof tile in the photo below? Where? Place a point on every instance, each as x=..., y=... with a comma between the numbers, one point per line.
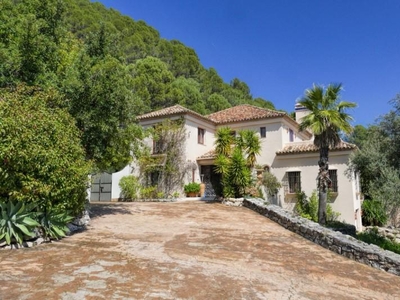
x=170, y=111
x=208, y=155
x=244, y=112
x=307, y=147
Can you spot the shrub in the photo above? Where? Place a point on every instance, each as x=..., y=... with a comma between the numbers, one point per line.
x=302, y=206
x=253, y=191
x=130, y=187
x=373, y=237
x=373, y=213
x=192, y=187
x=331, y=216
x=271, y=183
x=41, y=158
x=148, y=192
x=16, y=222
x=309, y=208
x=53, y=223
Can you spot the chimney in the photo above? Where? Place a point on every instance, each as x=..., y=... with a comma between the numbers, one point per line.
x=300, y=112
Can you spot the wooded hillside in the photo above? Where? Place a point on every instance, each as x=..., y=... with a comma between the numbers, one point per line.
x=105, y=69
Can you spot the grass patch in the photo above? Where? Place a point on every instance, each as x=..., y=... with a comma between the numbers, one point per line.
x=373, y=237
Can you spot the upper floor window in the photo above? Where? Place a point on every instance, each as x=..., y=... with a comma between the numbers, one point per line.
x=291, y=135
x=294, y=182
x=156, y=147
x=334, y=180
x=200, y=135
x=263, y=132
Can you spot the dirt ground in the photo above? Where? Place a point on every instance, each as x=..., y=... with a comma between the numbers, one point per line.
x=186, y=250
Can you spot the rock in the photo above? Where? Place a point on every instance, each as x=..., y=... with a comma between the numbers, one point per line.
x=28, y=244
x=233, y=201
x=83, y=220
x=39, y=241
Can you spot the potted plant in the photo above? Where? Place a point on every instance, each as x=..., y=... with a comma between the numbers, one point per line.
x=192, y=189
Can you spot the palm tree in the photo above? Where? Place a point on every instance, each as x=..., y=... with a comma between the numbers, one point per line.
x=249, y=143
x=235, y=159
x=224, y=141
x=327, y=118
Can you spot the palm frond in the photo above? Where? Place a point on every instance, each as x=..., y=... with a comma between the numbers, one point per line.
x=328, y=116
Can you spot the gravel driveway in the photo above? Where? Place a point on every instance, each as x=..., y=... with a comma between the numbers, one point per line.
x=186, y=250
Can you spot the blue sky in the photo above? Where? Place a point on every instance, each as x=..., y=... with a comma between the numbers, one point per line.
x=282, y=47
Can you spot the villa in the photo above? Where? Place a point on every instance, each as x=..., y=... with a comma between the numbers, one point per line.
x=287, y=153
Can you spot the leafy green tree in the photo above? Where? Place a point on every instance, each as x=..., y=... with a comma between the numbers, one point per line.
x=260, y=102
x=241, y=86
x=152, y=82
x=182, y=61
x=327, y=119
x=100, y=98
x=369, y=162
x=30, y=49
x=41, y=158
x=358, y=136
x=186, y=92
x=102, y=42
x=210, y=83
x=216, y=102
x=379, y=177
x=234, y=97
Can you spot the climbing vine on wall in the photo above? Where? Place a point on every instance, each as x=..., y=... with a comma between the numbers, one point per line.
x=163, y=166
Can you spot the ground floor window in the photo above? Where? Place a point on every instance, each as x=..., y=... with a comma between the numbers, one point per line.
x=155, y=177
x=334, y=180
x=294, y=182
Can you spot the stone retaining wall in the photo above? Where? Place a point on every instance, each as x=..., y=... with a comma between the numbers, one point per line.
x=337, y=242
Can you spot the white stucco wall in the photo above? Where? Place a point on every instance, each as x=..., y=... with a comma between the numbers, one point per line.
x=116, y=177
x=270, y=144
x=277, y=134
x=347, y=203
x=193, y=148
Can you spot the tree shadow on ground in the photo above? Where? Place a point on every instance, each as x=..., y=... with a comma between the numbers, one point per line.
x=101, y=209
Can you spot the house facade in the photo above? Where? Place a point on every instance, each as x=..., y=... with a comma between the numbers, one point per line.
x=286, y=152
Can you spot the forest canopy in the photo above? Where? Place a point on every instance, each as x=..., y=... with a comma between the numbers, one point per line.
x=107, y=69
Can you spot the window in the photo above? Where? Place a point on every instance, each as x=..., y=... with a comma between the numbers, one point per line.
x=263, y=132
x=156, y=147
x=294, y=182
x=334, y=181
x=233, y=133
x=157, y=141
x=291, y=135
x=200, y=135
x=155, y=177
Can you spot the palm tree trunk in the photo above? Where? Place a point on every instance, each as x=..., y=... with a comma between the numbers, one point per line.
x=323, y=184
x=322, y=196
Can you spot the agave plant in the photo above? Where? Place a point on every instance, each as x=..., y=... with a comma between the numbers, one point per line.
x=17, y=221
x=54, y=223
